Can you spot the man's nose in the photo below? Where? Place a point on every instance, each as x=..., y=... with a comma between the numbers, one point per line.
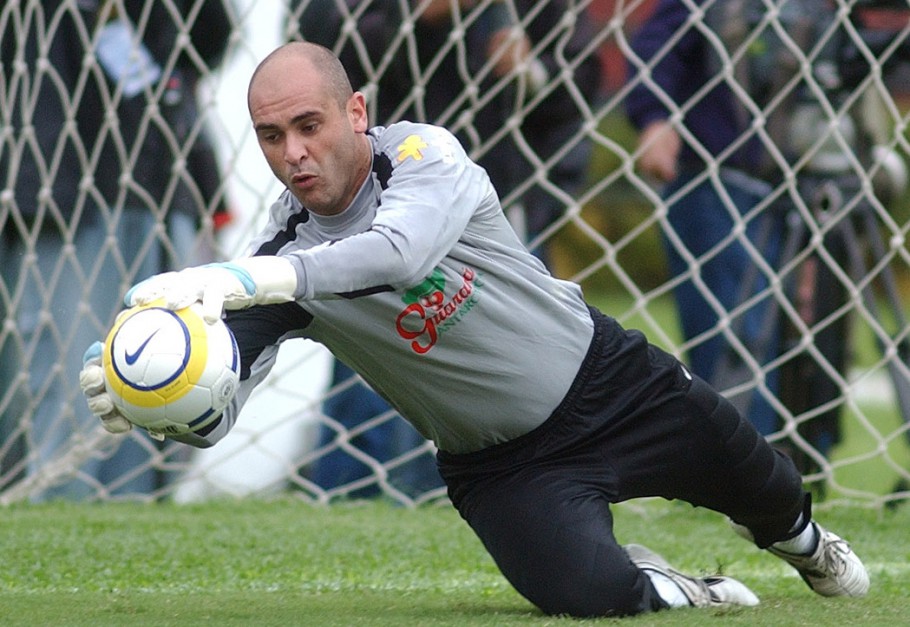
x=295, y=149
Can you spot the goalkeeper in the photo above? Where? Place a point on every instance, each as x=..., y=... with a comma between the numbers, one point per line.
x=389, y=246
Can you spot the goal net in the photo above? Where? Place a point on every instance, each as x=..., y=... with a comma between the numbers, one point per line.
x=777, y=266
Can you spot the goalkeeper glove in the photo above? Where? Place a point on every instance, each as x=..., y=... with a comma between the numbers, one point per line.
x=231, y=285
x=91, y=380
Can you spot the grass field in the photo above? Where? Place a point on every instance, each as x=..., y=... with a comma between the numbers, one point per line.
x=284, y=562
x=287, y=563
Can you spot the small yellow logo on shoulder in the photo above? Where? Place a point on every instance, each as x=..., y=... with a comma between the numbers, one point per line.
x=411, y=148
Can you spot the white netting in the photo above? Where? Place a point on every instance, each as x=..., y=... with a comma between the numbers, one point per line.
x=109, y=173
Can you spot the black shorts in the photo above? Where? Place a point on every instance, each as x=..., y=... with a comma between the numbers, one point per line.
x=635, y=423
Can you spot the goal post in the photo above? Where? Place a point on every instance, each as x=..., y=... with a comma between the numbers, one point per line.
x=101, y=186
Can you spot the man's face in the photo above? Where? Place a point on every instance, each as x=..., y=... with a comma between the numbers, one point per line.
x=314, y=146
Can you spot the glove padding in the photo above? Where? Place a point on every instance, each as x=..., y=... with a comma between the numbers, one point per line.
x=235, y=284
x=91, y=380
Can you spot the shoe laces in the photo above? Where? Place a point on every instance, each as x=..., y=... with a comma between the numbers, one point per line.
x=833, y=557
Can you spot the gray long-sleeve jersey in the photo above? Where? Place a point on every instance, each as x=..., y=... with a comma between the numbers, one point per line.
x=423, y=288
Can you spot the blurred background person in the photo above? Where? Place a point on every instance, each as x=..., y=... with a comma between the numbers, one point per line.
x=111, y=177
x=561, y=82
x=703, y=210
x=782, y=182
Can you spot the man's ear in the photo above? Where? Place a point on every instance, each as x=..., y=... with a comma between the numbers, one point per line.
x=357, y=112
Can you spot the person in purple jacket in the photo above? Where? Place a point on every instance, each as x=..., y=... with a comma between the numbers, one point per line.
x=390, y=247
x=704, y=206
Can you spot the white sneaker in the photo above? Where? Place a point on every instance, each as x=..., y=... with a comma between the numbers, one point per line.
x=714, y=591
x=831, y=570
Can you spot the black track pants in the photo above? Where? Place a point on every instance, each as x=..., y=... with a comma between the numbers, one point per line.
x=634, y=424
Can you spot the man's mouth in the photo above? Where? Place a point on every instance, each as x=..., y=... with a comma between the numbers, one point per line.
x=303, y=180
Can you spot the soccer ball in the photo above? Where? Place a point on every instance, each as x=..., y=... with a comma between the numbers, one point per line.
x=170, y=371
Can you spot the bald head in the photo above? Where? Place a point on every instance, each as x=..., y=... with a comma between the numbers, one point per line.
x=311, y=126
x=301, y=56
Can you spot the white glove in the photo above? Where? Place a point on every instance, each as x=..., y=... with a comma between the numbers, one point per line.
x=231, y=285
x=91, y=380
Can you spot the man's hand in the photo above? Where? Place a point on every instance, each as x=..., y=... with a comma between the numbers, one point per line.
x=508, y=48
x=91, y=380
x=231, y=285
x=660, y=145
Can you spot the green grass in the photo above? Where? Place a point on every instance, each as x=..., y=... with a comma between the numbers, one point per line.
x=284, y=562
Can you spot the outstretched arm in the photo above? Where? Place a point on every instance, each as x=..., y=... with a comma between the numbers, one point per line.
x=235, y=284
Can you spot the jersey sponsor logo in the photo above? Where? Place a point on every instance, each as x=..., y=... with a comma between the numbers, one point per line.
x=411, y=147
x=429, y=313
